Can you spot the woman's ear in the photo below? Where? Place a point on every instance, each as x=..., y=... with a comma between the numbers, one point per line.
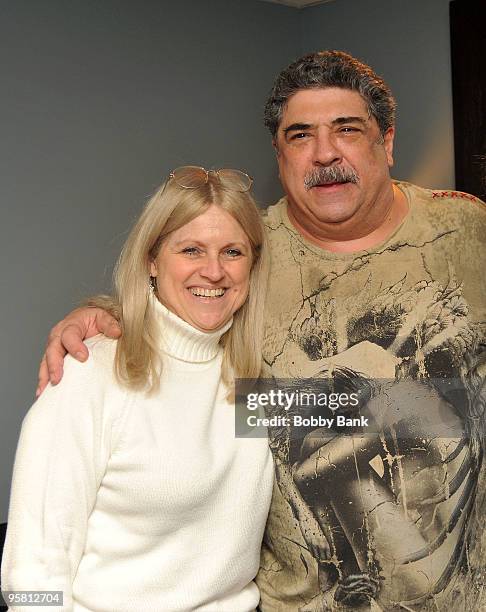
x=153, y=269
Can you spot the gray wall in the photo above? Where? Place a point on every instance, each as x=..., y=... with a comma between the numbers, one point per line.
x=407, y=42
x=101, y=98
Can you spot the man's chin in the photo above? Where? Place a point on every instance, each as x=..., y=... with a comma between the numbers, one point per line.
x=330, y=207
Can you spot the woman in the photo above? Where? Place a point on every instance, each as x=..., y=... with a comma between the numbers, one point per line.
x=130, y=490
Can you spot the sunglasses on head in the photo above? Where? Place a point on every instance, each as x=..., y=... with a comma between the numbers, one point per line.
x=192, y=177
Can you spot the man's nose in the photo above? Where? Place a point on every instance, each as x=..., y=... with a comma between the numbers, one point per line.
x=212, y=268
x=326, y=150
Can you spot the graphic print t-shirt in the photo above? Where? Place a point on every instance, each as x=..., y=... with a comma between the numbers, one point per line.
x=396, y=521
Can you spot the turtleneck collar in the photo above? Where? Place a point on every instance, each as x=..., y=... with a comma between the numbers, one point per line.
x=183, y=341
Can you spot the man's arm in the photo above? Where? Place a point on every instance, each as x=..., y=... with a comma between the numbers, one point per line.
x=99, y=316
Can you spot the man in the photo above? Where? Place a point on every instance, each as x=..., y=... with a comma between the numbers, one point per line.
x=371, y=279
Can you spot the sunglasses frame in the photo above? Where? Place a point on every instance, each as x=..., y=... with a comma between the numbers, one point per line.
x=172, y=175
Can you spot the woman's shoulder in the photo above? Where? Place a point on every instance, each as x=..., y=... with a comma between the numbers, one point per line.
x=94, y=374
x=102, y=351
x=86, y=402
x=87, y=389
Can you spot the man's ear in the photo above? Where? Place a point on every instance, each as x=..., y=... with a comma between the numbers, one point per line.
x=388, y=144
x=275, y=146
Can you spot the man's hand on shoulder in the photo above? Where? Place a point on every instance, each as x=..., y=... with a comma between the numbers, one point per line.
x=67, y=337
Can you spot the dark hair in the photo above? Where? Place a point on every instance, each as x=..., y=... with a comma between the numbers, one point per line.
x=331, y=69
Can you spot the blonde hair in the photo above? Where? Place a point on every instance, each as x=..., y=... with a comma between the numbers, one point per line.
x=138, y=361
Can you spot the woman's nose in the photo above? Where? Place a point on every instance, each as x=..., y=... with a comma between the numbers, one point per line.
x=212, y=269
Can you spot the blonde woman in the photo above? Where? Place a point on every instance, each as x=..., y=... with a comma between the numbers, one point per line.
x=130, y=490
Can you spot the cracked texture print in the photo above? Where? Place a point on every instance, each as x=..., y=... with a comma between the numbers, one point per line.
x=391, y=521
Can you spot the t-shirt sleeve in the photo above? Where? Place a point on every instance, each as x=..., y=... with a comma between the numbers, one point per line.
x=64, y=447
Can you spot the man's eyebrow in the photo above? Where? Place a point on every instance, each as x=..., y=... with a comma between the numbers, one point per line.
x=297, y=126
x=341, y=120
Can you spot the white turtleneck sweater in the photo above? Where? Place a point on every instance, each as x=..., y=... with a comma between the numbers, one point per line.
x=129, y=502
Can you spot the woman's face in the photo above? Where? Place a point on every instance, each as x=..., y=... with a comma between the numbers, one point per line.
x=203, y=269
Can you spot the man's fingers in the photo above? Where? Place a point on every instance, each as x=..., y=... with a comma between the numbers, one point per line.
x=54, y=358
x=108, y=325
x=43, y=376
x=71, y=340
x=67, y=337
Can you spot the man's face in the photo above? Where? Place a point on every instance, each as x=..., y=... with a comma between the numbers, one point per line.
x=333, y=161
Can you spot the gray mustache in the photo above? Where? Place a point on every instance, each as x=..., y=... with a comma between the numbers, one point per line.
x=330, y=174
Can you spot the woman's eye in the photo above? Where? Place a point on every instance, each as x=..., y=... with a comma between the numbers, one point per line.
x=190, y=251
x=233, y=252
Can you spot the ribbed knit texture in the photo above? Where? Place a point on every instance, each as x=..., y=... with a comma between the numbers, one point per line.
x=134, y=503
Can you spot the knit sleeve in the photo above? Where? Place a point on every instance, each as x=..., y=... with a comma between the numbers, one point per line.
x=64, y=446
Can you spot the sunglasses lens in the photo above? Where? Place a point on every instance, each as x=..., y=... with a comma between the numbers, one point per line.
x=190, y=177
x=234, y=180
